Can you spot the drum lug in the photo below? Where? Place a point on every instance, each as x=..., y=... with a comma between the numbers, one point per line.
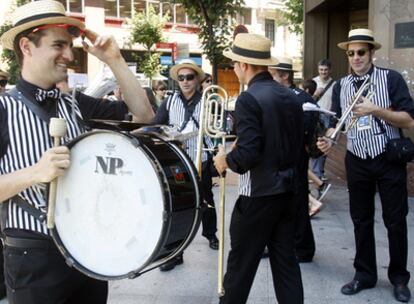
x=165, y=216
x=70, y=262
x=132, y=275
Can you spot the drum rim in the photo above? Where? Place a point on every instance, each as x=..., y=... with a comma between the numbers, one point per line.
x=72, y=262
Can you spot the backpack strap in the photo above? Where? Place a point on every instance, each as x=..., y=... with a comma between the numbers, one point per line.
x=325, y=90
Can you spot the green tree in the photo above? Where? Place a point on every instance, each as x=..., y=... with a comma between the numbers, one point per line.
x=8, y=56
x=294, y=15
x=147, y=29
x=212, y=18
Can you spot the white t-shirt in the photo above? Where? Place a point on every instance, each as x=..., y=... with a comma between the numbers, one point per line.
x=325, y=101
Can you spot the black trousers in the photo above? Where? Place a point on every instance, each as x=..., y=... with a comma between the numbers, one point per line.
x=256, y=223
x=41, y=276
x=209, y=216
x=391, y=179
x=304, y=239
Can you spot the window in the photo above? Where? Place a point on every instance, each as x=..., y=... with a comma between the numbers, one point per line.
x=245, y=17
x=111, y=8
x=139, y=6
x=168, y=9
x=179, y=14
x=125, y=8
x=270, y=30
x=73, y=6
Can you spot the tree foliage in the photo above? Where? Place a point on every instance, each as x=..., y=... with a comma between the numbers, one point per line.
x=8, y=56
x=212, y=18
x=147, y=29
x=294, y=15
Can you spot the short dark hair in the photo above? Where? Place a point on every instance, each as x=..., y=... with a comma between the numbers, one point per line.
x=33, y=37
x=325, y=62
x=285, y=72
x=310, y=85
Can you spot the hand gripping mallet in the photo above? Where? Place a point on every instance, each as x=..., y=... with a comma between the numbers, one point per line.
x=57, y=129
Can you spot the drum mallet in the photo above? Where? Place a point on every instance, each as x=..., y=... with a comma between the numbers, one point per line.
x=57, y=129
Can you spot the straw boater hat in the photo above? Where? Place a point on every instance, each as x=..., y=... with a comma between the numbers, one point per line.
x=34, y=14
x=251, y=49
x=4, y=74
x=285, y=64
x=189, y=64
x=360, y=36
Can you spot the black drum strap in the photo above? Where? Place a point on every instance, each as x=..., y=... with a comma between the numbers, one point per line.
x=22, y=203
x=34, y=107
x=4, y=211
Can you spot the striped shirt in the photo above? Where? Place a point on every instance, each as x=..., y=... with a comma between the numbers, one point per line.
x=172, y=112
x=28, y=139
x=24, y=137
x=390, y=91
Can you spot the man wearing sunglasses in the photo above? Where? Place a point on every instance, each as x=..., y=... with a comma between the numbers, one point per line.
x=379, y=119
x=42, y=39
x=182, y=109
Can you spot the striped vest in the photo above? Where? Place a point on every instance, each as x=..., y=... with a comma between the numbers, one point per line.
x=176, y=117
x=29, y=139
x=371, y=141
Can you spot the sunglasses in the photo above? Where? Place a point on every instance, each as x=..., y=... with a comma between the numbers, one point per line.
x=3, y=83
x=72, y=30
x=187, y=77
x=161, y=89
x=361, y=52
x=208, y=81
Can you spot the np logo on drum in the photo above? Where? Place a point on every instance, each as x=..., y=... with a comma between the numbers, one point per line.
x=109, y=165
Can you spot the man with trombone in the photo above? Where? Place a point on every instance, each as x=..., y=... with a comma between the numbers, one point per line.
x=269, y=126
x=373, y=120
x=182, y=109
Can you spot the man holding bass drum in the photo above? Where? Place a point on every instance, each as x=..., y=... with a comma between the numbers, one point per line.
x=42, y=38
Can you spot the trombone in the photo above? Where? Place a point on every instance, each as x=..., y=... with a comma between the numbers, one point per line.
x=366, y=85
x=214, y=103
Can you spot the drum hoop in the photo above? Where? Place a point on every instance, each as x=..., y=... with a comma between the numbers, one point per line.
x=72, y=262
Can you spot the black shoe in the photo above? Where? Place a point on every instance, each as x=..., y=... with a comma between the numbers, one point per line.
x=213, y=242
x=354, y=287
x=170, y=265
x=402, y=293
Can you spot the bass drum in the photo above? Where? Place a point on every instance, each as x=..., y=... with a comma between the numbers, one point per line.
x=126, y=205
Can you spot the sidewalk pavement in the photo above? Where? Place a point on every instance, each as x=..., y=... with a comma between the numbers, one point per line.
x=195, y=281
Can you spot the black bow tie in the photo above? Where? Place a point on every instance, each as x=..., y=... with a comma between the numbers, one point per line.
x=359, y=80
x=41, y=95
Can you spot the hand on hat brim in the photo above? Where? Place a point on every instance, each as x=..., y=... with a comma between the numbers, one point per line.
x=104, y=48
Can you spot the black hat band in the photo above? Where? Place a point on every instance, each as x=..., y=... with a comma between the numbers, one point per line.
x=250, y=53
x=38, y=17
x=361, y=37
x=284, y=66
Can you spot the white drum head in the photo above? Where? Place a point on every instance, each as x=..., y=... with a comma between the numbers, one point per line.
x=109, y=205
